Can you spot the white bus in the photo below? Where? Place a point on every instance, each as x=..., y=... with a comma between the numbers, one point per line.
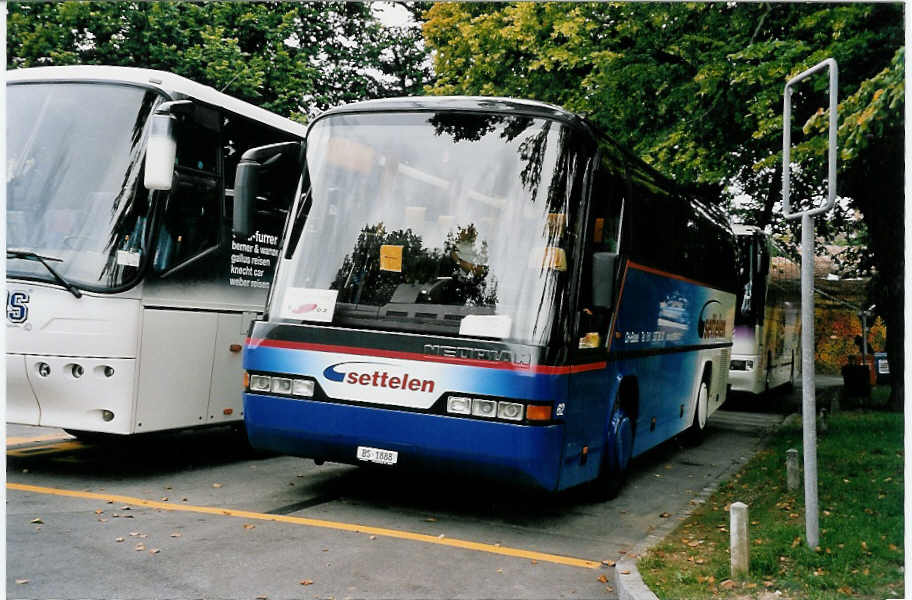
x=128, y=294
x=767, y=342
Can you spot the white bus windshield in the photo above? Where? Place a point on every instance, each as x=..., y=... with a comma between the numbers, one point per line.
x=74, y=154
x=450, y=223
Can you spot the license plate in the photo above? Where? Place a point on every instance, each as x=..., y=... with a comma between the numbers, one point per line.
x=377, y=455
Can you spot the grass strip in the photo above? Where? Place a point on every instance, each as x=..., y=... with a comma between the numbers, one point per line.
x=860, y=468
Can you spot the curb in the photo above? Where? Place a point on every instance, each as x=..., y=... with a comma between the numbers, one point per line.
x=627, y=579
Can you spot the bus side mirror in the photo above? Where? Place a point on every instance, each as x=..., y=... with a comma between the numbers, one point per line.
x=603, y=269
x=161, y=148
x=250, y=169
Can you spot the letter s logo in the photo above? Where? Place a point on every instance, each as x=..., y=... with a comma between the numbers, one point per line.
x=17, y=307
x=333, y=375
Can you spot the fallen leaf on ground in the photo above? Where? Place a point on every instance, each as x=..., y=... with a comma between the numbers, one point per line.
x=21, y=581
x=249, y=525
x=140, y=547
x=728, y=584
x=603, y=579
x=665, y=515
x=164, y=499
x=625, y=572
x=608, y=563
x=120, y=539
x=37, y=521
x=216, y=485
x=154, y=551
x=373, y=537
x=176, y=534
x=99, y=511
x=306, y=582
x=125, y=507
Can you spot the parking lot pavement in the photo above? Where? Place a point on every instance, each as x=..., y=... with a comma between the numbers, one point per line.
x=197, y=515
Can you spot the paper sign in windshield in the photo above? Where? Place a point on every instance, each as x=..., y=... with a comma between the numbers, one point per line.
x=308, y=304
x=126, y=258
x=391, y=258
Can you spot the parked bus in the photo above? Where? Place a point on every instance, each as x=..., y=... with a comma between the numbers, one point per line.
x=128, y=297
x=491, y=286
x=767, y=341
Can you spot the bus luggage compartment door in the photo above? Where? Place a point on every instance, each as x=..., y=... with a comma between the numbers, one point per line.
x=175, y=369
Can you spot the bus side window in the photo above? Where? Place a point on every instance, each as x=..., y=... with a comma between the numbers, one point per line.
x=277, y=185
x=602, y=235
x=190, y=222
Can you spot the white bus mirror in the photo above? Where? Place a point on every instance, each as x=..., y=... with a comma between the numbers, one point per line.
x=161, y=148
x=247, y=179
x=603, y=269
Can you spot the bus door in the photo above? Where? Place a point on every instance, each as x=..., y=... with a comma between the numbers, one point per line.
x=593, y=385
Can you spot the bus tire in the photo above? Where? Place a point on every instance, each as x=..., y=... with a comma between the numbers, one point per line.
x=95, y=437
x=697, y=431
x=617, y=454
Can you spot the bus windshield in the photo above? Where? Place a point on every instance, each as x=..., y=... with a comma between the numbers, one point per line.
x=74, y=155
x=444, y=222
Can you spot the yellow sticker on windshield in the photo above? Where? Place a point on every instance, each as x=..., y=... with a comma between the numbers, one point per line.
x=391, y=258
x=599, y=232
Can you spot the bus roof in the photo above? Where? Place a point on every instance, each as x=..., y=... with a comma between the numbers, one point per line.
x=170, y=84
x=532, y=108
x=741, y=229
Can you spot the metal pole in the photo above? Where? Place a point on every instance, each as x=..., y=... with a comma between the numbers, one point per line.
x=809, y=404
x=864, y=339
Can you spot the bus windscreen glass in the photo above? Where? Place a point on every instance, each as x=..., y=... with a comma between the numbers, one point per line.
x=75, y=153
x=450, y=223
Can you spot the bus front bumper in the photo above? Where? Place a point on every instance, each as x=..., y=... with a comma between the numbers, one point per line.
x=527, y=455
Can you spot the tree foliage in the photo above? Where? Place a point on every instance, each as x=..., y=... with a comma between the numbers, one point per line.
x=696, y=89
x=291, y=58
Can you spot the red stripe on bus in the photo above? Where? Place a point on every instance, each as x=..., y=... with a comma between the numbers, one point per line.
x=373, y=352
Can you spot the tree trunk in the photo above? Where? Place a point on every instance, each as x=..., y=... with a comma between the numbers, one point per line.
x=876, y=185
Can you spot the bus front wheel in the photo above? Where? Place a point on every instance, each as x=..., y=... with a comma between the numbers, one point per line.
x=616, y=458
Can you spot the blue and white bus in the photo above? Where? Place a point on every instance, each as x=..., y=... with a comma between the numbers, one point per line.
x=489, y=286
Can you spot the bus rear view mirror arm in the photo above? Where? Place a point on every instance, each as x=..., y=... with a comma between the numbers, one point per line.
x=162, y=146
x=604, y=265
x=247, y=179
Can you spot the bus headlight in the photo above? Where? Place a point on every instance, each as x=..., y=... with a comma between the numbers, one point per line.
x=484, y=408
x=512, y=411
x=260, y=383
x=459, y=405
x=302, y=387
x=281, y=385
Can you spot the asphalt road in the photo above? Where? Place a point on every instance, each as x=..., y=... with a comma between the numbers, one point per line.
x=195, y=515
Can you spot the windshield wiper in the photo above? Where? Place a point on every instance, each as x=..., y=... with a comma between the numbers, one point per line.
x=28, y=255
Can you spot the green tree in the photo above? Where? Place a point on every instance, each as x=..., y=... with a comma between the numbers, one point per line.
x=295, y=59
x=696, y=89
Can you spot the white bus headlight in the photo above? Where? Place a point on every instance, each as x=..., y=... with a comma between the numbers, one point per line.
x=459, y=405
x=281, y=385
x=512, y=411
x=260, y=383
x=303, y=387
x=484, y=408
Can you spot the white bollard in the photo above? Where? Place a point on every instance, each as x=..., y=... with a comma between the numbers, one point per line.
x=792, y=474
x=740, y=542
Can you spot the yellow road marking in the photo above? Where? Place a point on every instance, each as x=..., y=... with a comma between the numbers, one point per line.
x=393, y=533
x=46, y=449
x=16, y=441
